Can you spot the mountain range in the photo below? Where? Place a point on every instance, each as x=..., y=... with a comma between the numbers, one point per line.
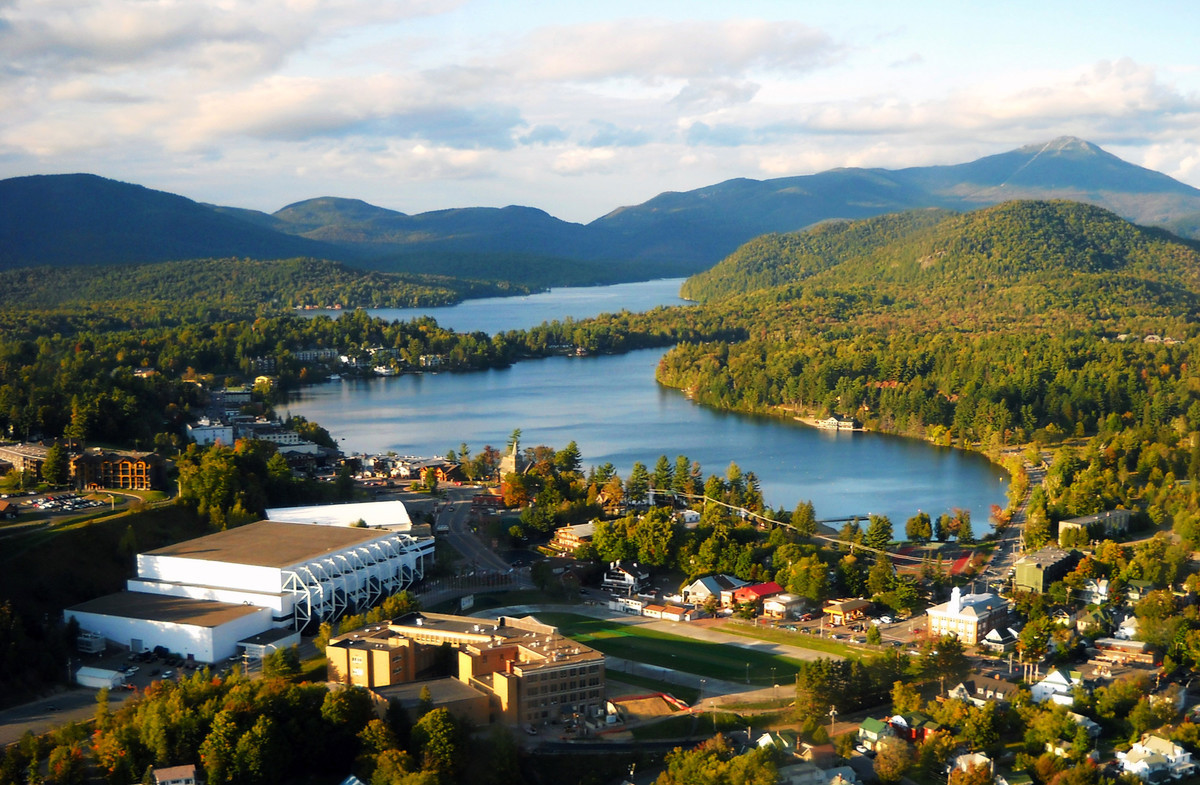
x=83, y=219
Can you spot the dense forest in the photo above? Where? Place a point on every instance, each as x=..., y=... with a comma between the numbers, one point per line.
x=236, y=284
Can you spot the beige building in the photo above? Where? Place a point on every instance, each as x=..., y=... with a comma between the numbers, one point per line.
x=969, y=617
x=530, y=672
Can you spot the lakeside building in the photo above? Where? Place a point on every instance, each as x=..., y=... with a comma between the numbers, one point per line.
x=1102, y=524
x=530, y=673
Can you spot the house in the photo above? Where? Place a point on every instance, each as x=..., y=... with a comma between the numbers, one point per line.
x=1128, y=629
x=873, y=731
x=968, y=617
x=1058, y=686
x=1136, y=591
x=689, y=518
x=1093, y=621
x=1153, y=759
x=914, y=727
x=8, y=509
x=842, y=611
x=719, y=586
x=783, y=606
x=999, y=640
x=176, y=775
x=625, y=577
x=976, y=759
x=757, y=593
x=1036, y=571
x=1094, y=592
x=839, y=422
x=1091, y=726
x=981, y=691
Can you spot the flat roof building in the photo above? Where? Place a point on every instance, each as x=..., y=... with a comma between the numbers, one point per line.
x=530, y=672
x=390, y=514
x=1036, y=571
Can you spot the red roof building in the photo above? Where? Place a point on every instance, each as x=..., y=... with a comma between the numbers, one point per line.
x=757, y=592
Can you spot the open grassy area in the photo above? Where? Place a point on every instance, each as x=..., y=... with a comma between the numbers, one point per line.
x=713, y=660
x=812, y=642
x=683, y=726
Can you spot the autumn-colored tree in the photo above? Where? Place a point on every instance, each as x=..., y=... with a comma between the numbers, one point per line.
x=893, y=757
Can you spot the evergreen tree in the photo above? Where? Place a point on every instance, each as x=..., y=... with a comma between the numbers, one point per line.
x=804, y=519
x=879, y=533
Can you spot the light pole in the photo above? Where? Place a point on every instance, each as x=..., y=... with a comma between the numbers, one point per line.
x=832, y=720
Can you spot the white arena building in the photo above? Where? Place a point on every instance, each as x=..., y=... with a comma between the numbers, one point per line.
x=390, y=514
x=220, y=589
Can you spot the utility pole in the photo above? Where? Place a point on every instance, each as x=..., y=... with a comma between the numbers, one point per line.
x=832, y=719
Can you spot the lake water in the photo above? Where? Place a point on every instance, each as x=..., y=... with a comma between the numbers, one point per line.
x=498, y=314
x=615, y=411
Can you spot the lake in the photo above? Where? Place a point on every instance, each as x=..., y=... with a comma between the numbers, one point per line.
x=615, y=411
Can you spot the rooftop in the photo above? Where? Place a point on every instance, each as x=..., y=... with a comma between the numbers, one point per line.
x=269, y=544
x=1045, y=557
x=160, y=607
x=389, y=513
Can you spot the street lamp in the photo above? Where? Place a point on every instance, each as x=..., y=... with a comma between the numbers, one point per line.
x=832, y=719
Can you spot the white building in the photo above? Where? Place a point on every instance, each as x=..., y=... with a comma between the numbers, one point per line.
x=1058, y=686
x=206, y=432
x=389, y=514
x=303, y=573
x=1153, y=759
x=204, y=597
x=98, y=678
x=197, y=630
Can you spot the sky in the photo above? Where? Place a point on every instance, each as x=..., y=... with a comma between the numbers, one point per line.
x=571, y=107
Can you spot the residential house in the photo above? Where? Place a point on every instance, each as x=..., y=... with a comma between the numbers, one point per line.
x=8, y=509
x=976, y=759
x=1058, y=686
x=1153, y=759
x=914, y=727
x=1036, y=571
x=839, y=422
x=873, y=731
x=176, y=775
x=968, y=617
x=1094, y=591
x=1091, y=726
x=625, y=577
x=1136, y=591
x=982, y=691
x=843, y=611
x=1093, y=622
x=1128, y=629
x=719, y=586
x=689, y=518
x=999, y=640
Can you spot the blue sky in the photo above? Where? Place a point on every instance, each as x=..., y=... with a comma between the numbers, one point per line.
x=575, y=108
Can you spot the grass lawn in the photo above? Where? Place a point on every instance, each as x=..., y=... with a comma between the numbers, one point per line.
x=494, y=599
x=795, y=639
x=684, y=725
x=713, y=660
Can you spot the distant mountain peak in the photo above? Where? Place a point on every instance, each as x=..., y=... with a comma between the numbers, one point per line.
x=1062, y=144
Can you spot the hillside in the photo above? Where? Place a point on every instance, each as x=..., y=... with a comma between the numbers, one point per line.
x=80, y=219
x=1006, y=245
x=69, y=220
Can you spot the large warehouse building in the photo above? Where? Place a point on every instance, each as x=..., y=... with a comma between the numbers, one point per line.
x=204, y=596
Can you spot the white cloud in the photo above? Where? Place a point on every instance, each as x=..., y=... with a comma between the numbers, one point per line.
x=650, y=50
x=577, y=162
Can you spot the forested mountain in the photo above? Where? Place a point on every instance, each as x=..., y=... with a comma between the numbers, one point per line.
x=82, y=219
x=1003, y=245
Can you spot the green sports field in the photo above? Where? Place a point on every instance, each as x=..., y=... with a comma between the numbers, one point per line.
x=712, y=660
